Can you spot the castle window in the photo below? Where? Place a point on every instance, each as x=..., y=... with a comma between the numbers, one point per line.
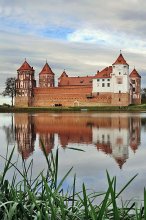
x=133, y=89
x=108, y=79
x=119, y=73
x=133, y=81
x=98, y=80
x=81, y=81
x=108, y=84
x=102, y=79
x=119, y=91
x=119, y=99
x=119, y=80
x=103, y=85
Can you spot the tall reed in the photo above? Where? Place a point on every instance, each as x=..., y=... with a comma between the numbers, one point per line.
x=44, y=197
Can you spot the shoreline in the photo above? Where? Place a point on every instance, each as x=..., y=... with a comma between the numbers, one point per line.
x=131, y=108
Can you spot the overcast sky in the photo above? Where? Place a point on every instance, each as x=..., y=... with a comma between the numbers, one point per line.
x=80, y=36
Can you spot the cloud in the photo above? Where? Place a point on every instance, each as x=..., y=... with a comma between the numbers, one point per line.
x=81, y=38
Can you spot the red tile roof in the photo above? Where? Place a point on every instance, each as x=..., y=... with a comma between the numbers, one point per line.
x=46, y=70
x=120, y=161
x=134, y=74
x=25, y=66
x=63, y=74
x=105, y=73
x=134, y=146
x=75, y=81
x=64, y=80
x=105, y=147
x=120, y=60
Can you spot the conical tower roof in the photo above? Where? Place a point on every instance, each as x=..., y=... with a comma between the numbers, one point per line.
x=25, y=66
x=46, y=70
x=120, y=60
x=120, y=161
x=134, y=74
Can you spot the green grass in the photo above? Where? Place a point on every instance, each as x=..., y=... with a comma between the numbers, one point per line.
x=130, y=108
x=44, y=197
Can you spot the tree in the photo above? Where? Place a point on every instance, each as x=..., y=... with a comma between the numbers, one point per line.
x=10, y=88
x=143, y=92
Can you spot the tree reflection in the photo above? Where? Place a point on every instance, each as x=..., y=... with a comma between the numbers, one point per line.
x=10, y=132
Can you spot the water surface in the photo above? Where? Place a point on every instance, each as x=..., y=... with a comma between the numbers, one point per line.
x=111, y=141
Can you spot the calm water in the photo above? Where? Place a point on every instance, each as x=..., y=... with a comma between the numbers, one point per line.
x=112, y=141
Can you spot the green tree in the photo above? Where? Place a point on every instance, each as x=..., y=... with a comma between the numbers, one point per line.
x=143, y=92
x=10, y=88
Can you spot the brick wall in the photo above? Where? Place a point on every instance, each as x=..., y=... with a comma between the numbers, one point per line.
x=69, y=96
x=72, y=96
x=120, y=99
x=21, y=101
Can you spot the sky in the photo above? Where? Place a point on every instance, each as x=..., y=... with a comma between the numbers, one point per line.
x=80, y=36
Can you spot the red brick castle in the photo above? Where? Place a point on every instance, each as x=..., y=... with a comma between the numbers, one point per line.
x=112, y=86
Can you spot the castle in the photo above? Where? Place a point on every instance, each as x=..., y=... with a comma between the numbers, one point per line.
x=114, y=135
x=112, y=86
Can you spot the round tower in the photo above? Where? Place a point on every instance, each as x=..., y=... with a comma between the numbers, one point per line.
x=135, y=80
x=46, y=77
x=24, y=85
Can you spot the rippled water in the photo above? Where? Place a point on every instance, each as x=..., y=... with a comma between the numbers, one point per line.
x=112, y=141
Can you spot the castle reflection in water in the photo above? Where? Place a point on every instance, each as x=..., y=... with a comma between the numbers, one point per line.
x=113, y=135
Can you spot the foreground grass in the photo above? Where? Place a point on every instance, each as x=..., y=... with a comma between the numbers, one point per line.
x=45, y=198
x=129, y=108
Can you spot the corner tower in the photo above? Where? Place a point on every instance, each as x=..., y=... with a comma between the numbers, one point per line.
x=135, y=80
x=46, y=77
x=120, y=82
x=24, y=85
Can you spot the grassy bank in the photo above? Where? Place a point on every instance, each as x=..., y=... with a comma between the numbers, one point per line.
x=43, y=197
x=131, y=108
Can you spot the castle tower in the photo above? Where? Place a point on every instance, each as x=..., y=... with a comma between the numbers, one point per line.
x=48, y=141
x=24, y=85
x=25, y=134
x=135, y=80
x=120, y=82
x=135, y=134
x=46, y=77
x=63, y=78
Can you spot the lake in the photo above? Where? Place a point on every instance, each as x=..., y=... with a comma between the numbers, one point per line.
x=111, y=141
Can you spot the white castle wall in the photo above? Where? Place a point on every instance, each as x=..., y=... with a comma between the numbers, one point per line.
x=102, y=85
x=119, y=81
x=117, y=138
